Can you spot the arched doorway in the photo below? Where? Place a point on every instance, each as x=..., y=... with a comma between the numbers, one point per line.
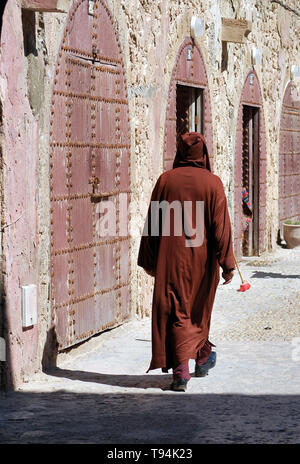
x=250, y=171
x=89, y=165
x=188, y=102
x=289, y=156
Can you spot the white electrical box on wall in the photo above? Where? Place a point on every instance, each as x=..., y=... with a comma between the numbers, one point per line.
x=29, y=305
x=2, y=349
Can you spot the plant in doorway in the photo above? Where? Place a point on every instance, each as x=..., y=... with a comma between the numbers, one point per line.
x=291, y=233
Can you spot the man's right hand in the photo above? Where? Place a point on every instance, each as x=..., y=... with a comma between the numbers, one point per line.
x=227, y=276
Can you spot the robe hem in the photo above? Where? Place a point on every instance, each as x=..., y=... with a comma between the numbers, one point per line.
x=163, y=365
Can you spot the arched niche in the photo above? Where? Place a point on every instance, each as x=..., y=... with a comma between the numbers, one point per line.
x=188, y=93
x=250, y=170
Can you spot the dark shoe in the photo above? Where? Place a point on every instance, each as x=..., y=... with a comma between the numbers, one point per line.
x=179, y=385
x=201, y=370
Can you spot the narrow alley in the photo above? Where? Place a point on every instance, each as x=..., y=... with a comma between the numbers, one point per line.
x=143, y=138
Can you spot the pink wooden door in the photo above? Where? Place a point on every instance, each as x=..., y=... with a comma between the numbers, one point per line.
x=188, y=74
x=250, y=180
x=89, y=152
x=289, y=157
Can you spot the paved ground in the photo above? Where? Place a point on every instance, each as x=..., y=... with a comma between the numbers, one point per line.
x=100, y=392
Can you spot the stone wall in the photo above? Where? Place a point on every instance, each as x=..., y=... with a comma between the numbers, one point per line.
x=151, y=32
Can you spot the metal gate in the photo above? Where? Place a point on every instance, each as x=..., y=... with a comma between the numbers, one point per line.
x=188, y=72
x=289, y=156
x=89, y=165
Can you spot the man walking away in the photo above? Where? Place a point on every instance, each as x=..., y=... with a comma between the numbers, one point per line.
x=186, y=260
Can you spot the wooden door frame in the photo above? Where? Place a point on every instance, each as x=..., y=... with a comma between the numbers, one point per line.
x=196, y=102
x=250, y=96
x=256, y=186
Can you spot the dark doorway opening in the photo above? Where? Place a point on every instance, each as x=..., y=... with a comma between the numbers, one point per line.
x=189, y=109
x=2, y=8
x=29, y=32
x=250, y=165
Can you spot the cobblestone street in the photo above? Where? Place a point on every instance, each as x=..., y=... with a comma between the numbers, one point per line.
x=100, y=392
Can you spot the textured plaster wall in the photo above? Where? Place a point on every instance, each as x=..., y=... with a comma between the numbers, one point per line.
x=150, y=32
x=19, y=207
x=53, y=27
x=26, y=75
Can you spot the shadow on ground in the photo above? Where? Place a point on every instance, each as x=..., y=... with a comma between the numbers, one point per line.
x=136, y=418
x=273, y=275
x=117, y=380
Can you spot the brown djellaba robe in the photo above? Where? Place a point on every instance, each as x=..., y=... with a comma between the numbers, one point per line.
x=186, y=278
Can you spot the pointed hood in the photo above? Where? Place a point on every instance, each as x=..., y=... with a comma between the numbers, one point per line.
x=192, y=151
